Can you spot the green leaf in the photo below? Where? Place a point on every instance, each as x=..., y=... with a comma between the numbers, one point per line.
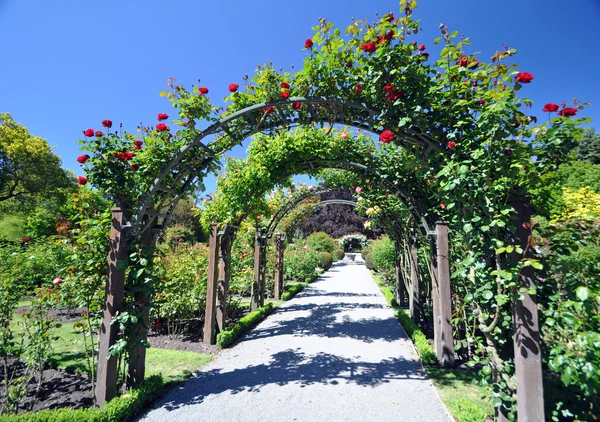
x=467, y=228
x=436, y=40
x=487, y=295
x=582, y=293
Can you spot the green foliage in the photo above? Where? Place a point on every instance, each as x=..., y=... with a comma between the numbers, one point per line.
x=339, y=254
x=228, y=337
x=300, y=262
x=569, y=287
x=589, y=146
x=321, y=242
x=28, y=167
x=421, y=344
x=12, y=227
x=387, y=293
x=383, y=257
x=325, y=260
x=292, y=290
x=119, y=409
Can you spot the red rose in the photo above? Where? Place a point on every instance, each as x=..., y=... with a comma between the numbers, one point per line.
x=394, y=95
x=107, y=123
x=203, y=90
x=388, y=18
x=161, y=127
x=426, y=55
x=349, y=64
x=344, y=135
x=308, y=43
x=524, y=77
x=358, y=88
x=508, y=151
x=296, y=105
x=442, y=206
x=82, y=180
x=99, y=133
x=482, y=101
x=233, y=87
x=388, y=37
x=162, y=116
x=138, y=144
x=388, y=88
x=26, y=239
x=269, y=110
x=550, y=108
x=285, y=94
x=386, y=136
x=567, y=112
x=451, y=144
x=135, y=167
x=89, y=133
x=465, y=61
x=83, y=158
x=422, y=47
x=285, y=85
x=369, y=47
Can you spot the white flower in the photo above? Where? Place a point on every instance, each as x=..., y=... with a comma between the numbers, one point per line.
x=32, y=257
x=14, y=254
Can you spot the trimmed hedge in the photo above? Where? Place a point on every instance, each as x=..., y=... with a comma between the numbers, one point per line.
x=292, y=290
x=420, y=341
x=339, y=254
x=122, y=408
x=228, y=337
x=325, y=260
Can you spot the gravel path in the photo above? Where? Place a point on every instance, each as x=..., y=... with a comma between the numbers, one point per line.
x=333, y=353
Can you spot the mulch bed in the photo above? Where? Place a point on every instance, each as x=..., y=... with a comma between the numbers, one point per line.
x=59, y=389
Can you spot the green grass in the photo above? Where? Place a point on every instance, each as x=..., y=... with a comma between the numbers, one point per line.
x=458, y=389
x=245, y=301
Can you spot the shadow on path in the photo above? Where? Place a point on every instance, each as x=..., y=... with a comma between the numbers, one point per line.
x=292, y=366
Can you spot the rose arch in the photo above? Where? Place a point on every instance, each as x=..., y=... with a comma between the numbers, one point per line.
x=456, y=145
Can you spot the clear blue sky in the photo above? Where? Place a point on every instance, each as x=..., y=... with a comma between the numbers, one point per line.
x=67, y=65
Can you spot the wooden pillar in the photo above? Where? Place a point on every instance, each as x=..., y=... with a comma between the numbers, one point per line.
x=256, y=285
x=224, y=273
x=263, y=271
x=106, y=382
x=279, y=247
x=435, y=299
x=400, y=286
x=211, y=288
x=528, y=354
x=444, y=296
x=414, y=306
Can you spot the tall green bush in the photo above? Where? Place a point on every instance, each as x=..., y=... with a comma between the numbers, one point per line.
x=325, y=260
x=321, y=242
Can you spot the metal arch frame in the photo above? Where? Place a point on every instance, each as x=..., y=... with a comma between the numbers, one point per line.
x=187, y=173
x=276, y=221
x=413, y=206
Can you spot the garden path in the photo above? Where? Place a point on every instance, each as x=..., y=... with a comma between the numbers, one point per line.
x=333, y=353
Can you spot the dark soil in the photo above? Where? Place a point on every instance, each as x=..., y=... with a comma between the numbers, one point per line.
x=190, y=339
x=63, y=315
x=59, y=389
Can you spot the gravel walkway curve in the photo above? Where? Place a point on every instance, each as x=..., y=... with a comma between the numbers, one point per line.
x=333, y=353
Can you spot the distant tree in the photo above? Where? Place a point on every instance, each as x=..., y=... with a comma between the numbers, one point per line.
x=187, y=215
x=589, y=146
x=28, y=167
x=336, y=220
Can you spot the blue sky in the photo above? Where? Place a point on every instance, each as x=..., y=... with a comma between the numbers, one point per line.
x=67, y=65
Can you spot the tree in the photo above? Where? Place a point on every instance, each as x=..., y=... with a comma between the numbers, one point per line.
x=28, y=167
x=589, y=146
x=336, y=220
x=186, y=214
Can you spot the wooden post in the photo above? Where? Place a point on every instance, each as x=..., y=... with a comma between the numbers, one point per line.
x=256, y=285
x=444, y=296
x=224, y=267
x=263, y=271
x=400, y=286
x=435, y=299
x=279, y=246
x=106, y=382
x=528, y=353
x=211, y=288
x=414, y=306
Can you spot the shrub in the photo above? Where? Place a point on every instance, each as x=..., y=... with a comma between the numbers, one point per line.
x=339, y=254
x=369, y=261
x=121, y=408
x=383, y=254
x=325, y=260
x=321, y=242
x=300, y=262
x=292, y=290
x=245, y=324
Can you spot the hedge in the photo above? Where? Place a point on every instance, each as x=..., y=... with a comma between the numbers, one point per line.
x=420, y=341
x=245, y=324
x=292, y=290
x=119, y=409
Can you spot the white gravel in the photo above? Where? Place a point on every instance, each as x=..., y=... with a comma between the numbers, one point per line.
x=333, y=353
